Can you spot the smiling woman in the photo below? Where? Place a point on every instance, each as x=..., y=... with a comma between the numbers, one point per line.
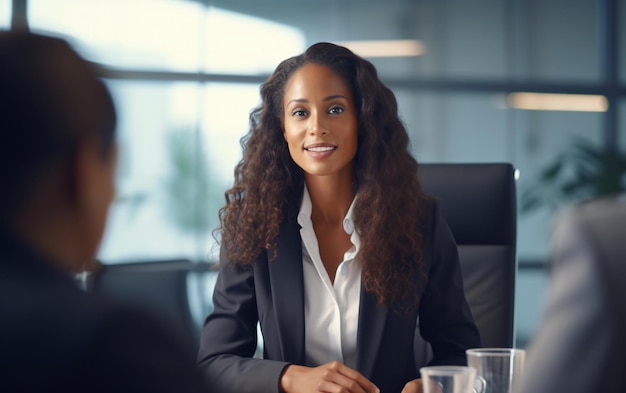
x=325, y=169
x=320, y=124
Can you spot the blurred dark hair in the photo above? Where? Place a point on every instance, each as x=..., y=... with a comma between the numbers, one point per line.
x=268, y=184
x=50, y=100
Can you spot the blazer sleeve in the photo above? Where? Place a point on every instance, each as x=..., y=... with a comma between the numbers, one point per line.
x=229, y=337
x=445, y=319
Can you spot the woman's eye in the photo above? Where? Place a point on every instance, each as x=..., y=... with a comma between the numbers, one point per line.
x=298, y=112
x=335, y=110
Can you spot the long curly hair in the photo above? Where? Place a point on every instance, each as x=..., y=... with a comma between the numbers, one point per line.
x=268, y=184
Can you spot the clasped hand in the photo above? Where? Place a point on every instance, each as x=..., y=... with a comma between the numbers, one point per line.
x=333, y=377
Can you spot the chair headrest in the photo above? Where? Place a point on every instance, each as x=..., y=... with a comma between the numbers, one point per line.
x=479, y=200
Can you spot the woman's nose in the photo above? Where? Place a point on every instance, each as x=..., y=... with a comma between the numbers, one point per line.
x=317, y=126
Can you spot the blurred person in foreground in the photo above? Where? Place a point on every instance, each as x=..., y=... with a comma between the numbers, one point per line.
x=580, y=346
x=57, y=162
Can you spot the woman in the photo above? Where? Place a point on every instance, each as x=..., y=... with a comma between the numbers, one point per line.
x=329, y=243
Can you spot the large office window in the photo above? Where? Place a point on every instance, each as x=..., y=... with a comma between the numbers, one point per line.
x=179, y=128
x=179, y=144
x=5, y=14
x=168, y=35
x=185, y=75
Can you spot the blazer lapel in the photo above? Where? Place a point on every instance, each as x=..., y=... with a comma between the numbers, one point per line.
x=372, y=317
x=287, y=283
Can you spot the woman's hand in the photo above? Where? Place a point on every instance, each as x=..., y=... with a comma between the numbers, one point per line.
x=331, y=377
x=414, y=386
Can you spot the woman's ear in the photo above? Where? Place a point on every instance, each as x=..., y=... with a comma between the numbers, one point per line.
x=282, y=127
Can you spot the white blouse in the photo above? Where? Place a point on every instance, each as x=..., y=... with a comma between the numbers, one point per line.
x=331, y=312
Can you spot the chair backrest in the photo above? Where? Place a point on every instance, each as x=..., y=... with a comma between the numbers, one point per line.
x=158, y=286
x=480, y=205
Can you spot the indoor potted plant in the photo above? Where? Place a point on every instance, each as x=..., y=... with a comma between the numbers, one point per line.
x=580, y=173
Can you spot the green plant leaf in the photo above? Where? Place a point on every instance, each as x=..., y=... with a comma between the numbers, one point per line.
x=580, y=172
x=552, y=171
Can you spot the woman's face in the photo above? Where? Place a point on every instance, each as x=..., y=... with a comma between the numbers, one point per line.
x=320, y=121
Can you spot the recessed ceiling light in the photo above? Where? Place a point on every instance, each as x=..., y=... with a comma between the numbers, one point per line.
x=557, y=102
x=385, y=48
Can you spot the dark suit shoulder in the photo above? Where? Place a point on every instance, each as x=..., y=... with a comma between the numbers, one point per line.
x=73, y=341
x=431, y=220
x=427, y=212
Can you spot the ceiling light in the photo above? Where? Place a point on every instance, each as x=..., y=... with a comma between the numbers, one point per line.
x=558, y=102
x=385, y=48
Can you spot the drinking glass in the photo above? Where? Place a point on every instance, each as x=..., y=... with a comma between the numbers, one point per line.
x=447, y=379
x=498, y=370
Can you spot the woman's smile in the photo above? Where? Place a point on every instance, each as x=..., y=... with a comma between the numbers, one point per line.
x=320, y=150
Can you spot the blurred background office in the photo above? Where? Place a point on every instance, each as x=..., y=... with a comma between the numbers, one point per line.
x=538, y=83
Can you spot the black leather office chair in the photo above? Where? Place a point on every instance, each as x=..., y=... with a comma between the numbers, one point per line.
x=159, y=286
x=480, y=205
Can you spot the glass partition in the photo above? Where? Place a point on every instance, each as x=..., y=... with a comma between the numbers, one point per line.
x=5, y=14
x=165, y=35
x=146, y=34
x=179, y=143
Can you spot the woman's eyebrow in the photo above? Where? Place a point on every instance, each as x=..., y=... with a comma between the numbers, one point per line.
x=298, y=100
x=335, y=96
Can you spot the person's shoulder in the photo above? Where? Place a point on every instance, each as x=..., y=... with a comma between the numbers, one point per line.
x=69, y=314
x=135, y=346
x=68, y=337
x=599, y=220
x=27, y=300
x=593, y=233
x=119, y=319
x=605, y=209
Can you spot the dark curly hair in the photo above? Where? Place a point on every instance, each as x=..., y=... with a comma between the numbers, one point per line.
x=268, y=184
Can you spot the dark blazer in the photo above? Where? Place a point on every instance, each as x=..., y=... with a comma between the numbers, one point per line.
x=271, y=292
x=56, y=338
